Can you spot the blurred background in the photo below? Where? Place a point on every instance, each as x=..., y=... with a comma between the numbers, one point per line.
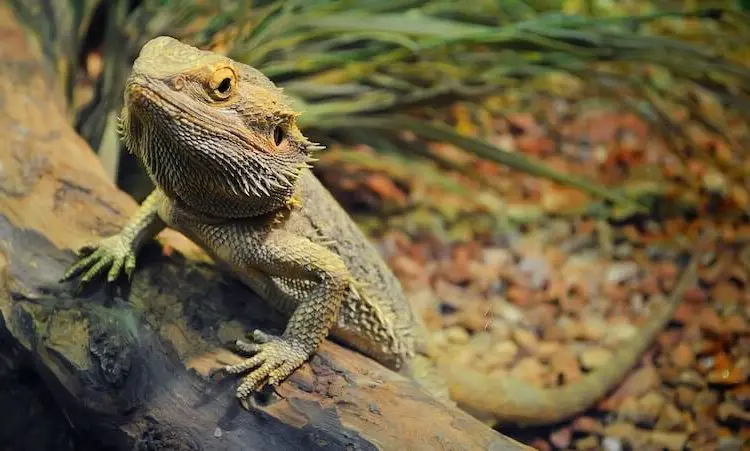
x=529, y=169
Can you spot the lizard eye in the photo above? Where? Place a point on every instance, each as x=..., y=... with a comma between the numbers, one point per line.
x=278, y=135
x=222, y=82
x=225, y=85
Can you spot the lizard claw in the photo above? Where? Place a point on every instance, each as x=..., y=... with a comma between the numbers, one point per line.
x=115, y=253
x=274, y=359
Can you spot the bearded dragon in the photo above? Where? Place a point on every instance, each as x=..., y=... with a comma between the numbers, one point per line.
x=232, y=173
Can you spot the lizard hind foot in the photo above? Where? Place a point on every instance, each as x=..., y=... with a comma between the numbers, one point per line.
x=273, y=360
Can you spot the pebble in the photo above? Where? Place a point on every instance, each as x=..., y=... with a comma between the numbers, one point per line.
x=507, y=311
x=683, y=356
x=612, y=444
x=525, y=339
x=587, y=424
x=540, y=444
x=628, y=410
x=562, y=437
x=620, y=272
x=593, y=358
x=594, y=329
x=730, y=412
x=684, y=396
x=649, y=408
x=705, y=400
x=672, y=441
x=620, y=430
x=730, y=443
x=497, y=256
x=457, y=335
x=691, y=378
x=499, y=329
x=586, y=443
x=571, y=328
x=670, y=419
x=726, y=376
x=546, y=349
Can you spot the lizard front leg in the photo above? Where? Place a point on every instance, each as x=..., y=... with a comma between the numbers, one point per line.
x=277, y=259
x=118, y=252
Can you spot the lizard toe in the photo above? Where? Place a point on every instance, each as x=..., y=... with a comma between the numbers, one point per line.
x=273, y=362
x=246, y=348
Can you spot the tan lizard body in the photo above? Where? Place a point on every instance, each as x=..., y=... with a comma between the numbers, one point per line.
x=222, y=146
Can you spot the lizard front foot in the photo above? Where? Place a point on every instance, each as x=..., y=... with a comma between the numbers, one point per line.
x=274, y=359
x=115, y=252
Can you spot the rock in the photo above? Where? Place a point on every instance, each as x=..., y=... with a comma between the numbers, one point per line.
x=730, y=443
x=620, y=430
x=546, y=349
x=683, y=356
x=725, y=293
x=526, y=340
x=672, y=441
x=611, y=444
x=620, y=272
x=571, y=328
x=507, y=311
x=586, y=443
x=727, y=376
x=457, y=335
x=735, y=324
x=594, y=329
x=705, y=401
x=588, y=425
x=670, y=419
x=562, y=437
x=691, y=378
x=473, y=319
x=499, y=329
x=684, y=396
x=710, y=321
x=497, y=256
x=519, y=295
x=730, y=412
x=553, y=333
x=649, y=408
x=628, y=410
x=536, y=269
x=741, y=395
x=540, y=444
x=593, y=358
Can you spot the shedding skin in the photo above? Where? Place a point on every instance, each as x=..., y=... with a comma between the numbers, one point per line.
x=231, y=169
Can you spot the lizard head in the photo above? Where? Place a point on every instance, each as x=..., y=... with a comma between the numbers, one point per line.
x=214, y=134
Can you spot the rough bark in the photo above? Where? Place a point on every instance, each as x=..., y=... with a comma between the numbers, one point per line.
x=127, y=367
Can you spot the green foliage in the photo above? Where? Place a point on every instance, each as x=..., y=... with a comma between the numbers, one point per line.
x=365, y=64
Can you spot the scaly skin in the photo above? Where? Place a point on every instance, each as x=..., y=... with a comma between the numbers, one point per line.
x=222, y=146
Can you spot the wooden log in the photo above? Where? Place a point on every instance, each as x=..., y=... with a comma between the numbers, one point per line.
x=128, y=365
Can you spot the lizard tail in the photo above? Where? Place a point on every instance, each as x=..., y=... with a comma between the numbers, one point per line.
x=513, y=401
